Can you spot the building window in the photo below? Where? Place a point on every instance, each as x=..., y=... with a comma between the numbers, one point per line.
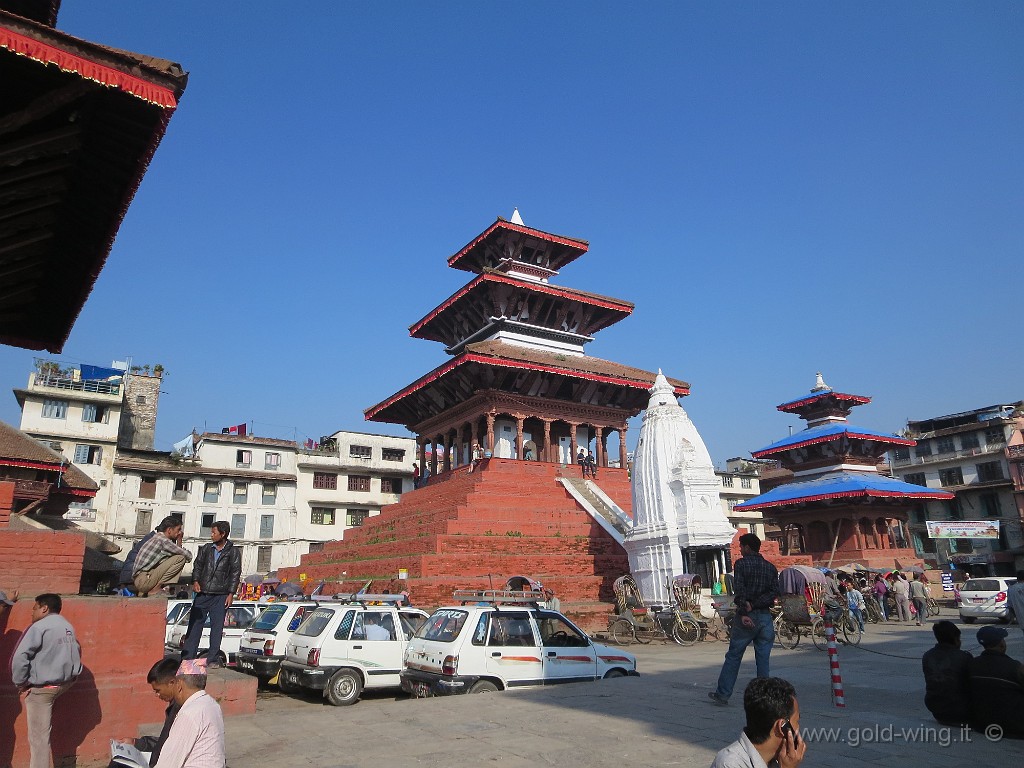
x=321, y=516
x=238, y=526
x=951, y=476
x=915, y=478
x=211, y=492
x=263, y=555
x=902, y=453
x=994, y=436
x=181, y=489
x=241, y=493
x=355, y=517
x=325, y=481
x=143, y=521
x=316, y=546
x=969, y=440
x=88, y=454
x=990, y=504
x=147, y=488
x=140, y=399
x=243, y=459
x=272, y=461
x=269, y=494
x=745, y=482
x=360, y=451
x=727, y=481
x=359, y=482
x=965, y=546
x=206, y=524
x=55, y=409
x=945, y=445
x=990, y=470
x=95, y=414
x=392, y=454
x=923, y=448
x=391, y=485
x=920, y=514
x=266, y=526
x=953, y=509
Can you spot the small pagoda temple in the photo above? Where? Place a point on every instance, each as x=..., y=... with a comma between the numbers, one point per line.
x=519, y=382
x=836, y=506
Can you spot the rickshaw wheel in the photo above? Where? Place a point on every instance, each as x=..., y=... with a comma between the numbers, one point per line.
x=789, y=635
x=644, y=635
x=818, y=636
x=686, y=632
x=622, y=632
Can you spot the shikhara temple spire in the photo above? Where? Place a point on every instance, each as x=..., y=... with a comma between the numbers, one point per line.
x=519, y=380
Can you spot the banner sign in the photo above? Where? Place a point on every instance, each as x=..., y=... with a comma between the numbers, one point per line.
x=963, y=529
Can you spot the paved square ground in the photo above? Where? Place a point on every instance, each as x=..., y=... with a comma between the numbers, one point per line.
x=661, y=718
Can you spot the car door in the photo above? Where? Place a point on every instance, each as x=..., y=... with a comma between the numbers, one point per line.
x=512, y=650
x=377, y=645
x=569, y=656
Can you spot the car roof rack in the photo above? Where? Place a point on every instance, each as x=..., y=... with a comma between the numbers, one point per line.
x=364, y=598
x=498, y=596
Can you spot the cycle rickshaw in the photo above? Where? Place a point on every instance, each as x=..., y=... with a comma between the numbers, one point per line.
x=634, y=620
x=805, y=599
x=686, y=589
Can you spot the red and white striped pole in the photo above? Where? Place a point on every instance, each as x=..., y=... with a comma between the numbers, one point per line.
x=833, y=662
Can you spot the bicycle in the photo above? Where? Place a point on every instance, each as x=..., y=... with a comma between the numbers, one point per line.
x=842, y=621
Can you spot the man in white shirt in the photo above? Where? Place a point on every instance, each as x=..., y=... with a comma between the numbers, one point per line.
x=771, y=736
x=196, y=739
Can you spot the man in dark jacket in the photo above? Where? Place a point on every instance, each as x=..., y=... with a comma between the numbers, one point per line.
x=945, y=676
x=215, y=574
x=997, y=687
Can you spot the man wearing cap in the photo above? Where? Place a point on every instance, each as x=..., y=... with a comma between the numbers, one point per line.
x=945, y=676
x=196, y=739
x=996, y=684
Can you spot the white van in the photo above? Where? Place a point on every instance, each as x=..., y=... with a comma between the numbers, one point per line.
x=239, y=615
x=504, y=641
x=345, y=647
x=261, y=649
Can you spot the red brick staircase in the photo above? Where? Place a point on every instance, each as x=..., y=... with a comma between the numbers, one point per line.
x=475, y=530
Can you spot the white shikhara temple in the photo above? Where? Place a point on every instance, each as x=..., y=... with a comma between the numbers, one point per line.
x=678, y=523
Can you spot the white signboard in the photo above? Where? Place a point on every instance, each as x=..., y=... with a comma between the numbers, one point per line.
x=963, y=529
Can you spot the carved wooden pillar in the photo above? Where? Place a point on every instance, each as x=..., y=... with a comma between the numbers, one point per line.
x=519, y=436
x=858, y=538
x=449, y=442
x=546, y=454
x=623, y=462
x=433, y=455
x=460, y=446
x=490, y=433
x=421, y=445
x=599, y=447
x=572, y=442
x=473, y=438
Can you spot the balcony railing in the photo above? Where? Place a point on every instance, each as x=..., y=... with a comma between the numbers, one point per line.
x=935, y=458
x=99, y=387
x=1015, y=451
x=29, y=489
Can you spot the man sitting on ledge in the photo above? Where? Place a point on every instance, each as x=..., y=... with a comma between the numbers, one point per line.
x=996, y=686
x=945, y=676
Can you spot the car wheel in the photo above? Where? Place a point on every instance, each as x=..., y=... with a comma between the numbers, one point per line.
x=286, y=683
x=969, y=619
x=483, y=686
x=344, y=688
x=1004, y=619
x=611, y=673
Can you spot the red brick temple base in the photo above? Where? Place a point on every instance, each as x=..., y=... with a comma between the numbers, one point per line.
x=475, y=530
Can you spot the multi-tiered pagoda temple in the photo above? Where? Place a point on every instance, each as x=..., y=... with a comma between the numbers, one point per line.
x=519, y=382
x=837, y=507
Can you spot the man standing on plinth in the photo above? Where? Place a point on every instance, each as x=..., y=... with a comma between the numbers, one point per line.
x=215, y=576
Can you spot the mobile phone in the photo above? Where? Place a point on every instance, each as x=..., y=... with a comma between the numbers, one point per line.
x=787, y=728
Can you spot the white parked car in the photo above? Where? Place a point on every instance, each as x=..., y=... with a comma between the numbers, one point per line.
x=483, y=648
x=175, y=609
x=985, y=598
x=237, y=618
x=344, y=648
x=261, y=649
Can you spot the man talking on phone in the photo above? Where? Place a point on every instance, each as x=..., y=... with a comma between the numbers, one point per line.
x=771, y=735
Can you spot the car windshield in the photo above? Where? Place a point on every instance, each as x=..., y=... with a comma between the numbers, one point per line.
x=269, y=618
x=444, y=626
x=235, y=617
x=981, y=585
x=314, y=623
x=177, y=612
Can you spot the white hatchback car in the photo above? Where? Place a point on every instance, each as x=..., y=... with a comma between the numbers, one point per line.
x=347, y=647
x=237, y=618
x=985, y=598
x=261, y=649
x=482, y=648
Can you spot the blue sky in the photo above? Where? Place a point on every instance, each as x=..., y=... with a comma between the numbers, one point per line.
x=780, y=189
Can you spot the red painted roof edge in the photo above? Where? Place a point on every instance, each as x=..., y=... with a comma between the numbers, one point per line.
x=580, y=245
x=440, y=371
x=827, y=438
x=786, y=407
x=618, y=305
x=847, y=494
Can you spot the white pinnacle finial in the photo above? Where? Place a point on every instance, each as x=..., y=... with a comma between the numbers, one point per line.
x=516, y=218
x=820, y=384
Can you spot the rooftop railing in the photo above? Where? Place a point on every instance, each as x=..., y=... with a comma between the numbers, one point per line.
x=99, y=387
